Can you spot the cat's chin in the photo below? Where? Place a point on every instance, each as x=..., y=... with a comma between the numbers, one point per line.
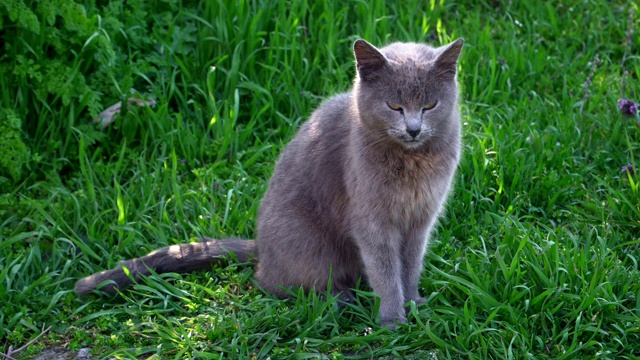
x=414, y=145
x=411, y=144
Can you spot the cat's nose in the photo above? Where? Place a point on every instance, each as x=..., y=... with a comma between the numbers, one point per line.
x=413, y=132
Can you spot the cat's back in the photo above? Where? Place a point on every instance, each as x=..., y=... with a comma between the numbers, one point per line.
x=310, y=172
x=320, y=139
x=328, y=123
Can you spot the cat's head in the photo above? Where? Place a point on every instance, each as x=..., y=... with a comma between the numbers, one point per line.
x=407, y=91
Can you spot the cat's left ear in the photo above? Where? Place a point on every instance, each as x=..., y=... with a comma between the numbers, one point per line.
x=369, y=60
x=447, y=60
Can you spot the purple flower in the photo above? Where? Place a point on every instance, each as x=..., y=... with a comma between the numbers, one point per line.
x=628, y=107
x=628, y=168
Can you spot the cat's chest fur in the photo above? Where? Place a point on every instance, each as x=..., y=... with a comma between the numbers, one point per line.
x=398, y=187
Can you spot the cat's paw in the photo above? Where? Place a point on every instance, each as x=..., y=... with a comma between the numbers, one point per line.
x=419, y=300
x=414, y=295
x=345, y=297
x=392, y=326
x=391, y=323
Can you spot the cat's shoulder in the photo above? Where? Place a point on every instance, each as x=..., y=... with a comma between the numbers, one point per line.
x=333, y=113
x=339, y=102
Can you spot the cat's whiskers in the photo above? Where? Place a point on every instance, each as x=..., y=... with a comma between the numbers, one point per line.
x=370, y=144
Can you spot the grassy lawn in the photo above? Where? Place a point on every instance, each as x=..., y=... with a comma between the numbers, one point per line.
x=537, y=256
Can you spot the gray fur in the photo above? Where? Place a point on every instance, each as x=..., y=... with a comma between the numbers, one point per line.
x=357, y=191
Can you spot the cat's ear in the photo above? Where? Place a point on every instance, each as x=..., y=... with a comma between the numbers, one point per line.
x=369, y=60
x=447, y=61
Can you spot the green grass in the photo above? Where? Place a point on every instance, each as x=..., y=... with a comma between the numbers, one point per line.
x=537, y=256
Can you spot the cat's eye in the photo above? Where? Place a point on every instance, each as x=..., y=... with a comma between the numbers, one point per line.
x=430, y=105
x=394, y=107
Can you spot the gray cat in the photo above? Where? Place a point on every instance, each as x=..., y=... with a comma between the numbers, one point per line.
x=356, y=192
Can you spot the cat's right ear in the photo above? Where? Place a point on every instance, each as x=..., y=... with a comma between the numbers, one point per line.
x=369, y=60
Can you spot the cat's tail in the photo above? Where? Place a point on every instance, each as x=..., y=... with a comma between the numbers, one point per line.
x=175, y=258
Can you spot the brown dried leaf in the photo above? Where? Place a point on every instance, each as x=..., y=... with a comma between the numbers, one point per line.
x=106, y=117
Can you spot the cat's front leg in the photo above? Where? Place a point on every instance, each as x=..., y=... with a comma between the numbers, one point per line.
x=413, y=251
x=380, y=251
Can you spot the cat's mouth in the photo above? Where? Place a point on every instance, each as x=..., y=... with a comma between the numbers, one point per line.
x=409, y=141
